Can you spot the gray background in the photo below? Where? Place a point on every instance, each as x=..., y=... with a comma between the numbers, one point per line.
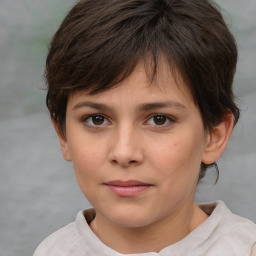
x=38, y=191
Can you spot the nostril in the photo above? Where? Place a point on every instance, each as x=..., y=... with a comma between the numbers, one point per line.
x=129, y=162
x=124, y=163
x=114, y=161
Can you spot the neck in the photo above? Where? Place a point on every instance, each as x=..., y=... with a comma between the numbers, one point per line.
x=152, y=238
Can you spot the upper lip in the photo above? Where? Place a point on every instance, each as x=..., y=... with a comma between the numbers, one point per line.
x=121, y=183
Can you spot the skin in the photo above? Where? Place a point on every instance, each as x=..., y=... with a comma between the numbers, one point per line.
x=125, y=142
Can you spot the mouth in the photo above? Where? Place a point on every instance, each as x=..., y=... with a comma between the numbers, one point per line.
x=128, y=188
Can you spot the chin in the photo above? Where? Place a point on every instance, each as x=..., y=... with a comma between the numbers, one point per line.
x=130, y=220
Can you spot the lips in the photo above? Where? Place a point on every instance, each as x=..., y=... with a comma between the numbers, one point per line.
x=127, y=188
x=126, y=183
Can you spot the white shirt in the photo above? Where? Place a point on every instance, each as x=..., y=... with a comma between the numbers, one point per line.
x=222, y=234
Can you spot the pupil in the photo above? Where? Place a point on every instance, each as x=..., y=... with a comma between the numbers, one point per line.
x=159, y=120
x=98, y=120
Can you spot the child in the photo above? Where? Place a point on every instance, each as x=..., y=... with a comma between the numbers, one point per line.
x=140, y=95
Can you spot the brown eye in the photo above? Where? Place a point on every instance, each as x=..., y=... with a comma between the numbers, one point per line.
x=159, y=120
x=96, y=120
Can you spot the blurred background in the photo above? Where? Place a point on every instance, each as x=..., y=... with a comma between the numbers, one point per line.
x=38, y=191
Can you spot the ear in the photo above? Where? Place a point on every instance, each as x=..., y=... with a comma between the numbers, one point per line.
x=217, y=139
x=63, y=141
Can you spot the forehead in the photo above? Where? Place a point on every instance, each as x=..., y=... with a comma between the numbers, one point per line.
x=143, y=83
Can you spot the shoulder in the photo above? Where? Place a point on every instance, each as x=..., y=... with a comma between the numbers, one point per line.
x=58, y=242
x=67, y=240
x=237, y=225
x=232, y=233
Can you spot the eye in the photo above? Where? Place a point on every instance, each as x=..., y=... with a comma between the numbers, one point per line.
x=95, y=120
x=160, y=120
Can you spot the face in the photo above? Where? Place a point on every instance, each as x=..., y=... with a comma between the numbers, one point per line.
x=136, y=148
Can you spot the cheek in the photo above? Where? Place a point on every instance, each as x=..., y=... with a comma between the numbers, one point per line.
x=87, y=157
x=180, y=157
x=86, y=163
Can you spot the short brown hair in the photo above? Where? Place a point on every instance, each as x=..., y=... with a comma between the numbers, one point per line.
x=100, y=42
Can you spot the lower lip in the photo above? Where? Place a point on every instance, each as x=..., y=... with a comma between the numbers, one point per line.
x=128, y=191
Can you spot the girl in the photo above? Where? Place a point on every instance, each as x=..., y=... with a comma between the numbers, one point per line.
x=140, y=95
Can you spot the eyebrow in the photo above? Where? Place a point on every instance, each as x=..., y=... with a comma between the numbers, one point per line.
x=141, y=107
x=165, y=104
x=90, y=104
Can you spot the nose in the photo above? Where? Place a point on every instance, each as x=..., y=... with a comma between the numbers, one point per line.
x=126, y=147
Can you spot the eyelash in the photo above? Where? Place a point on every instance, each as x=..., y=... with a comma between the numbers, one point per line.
x=168, y=119
x=94, y=126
